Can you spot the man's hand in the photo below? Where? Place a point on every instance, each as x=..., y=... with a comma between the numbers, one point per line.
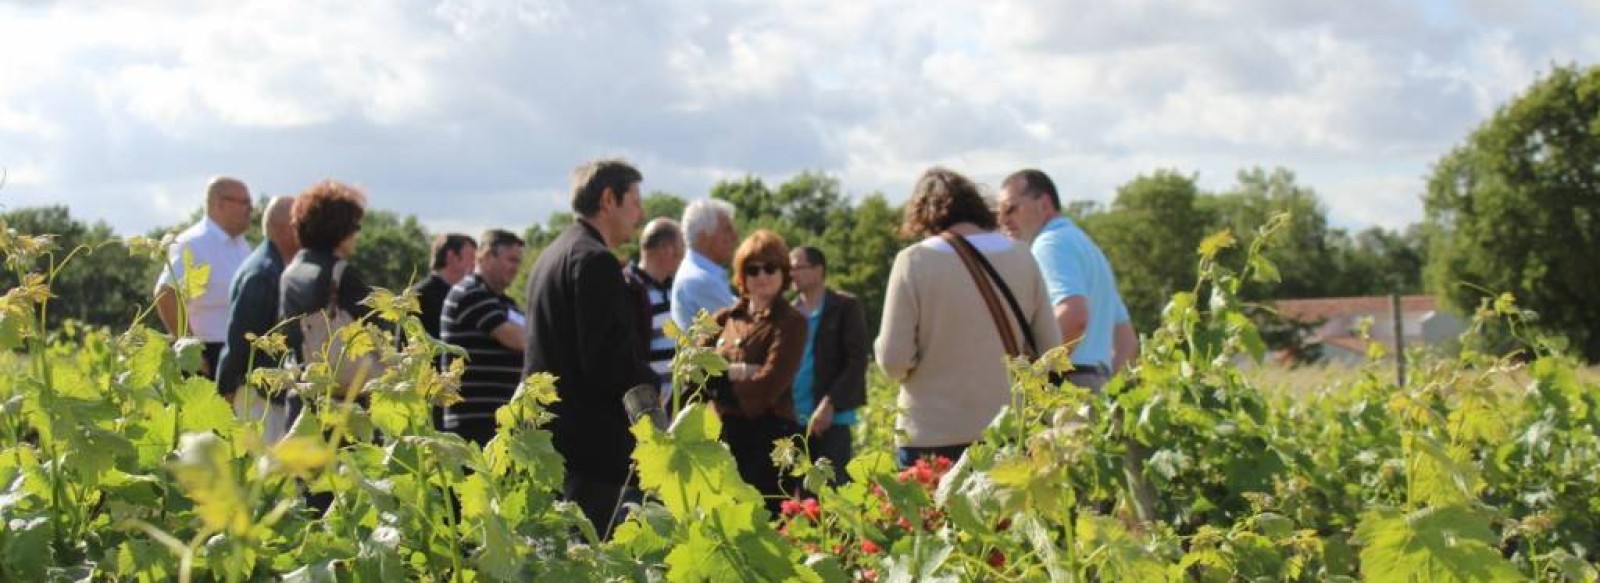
x=167, y=310
x=822, y=418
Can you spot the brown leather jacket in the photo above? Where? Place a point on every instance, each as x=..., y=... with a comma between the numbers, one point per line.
x=774, y=341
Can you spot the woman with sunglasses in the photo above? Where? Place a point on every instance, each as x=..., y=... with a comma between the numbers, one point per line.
x=763, y=338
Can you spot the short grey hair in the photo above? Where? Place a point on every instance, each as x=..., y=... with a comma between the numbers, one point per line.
x=700, y=217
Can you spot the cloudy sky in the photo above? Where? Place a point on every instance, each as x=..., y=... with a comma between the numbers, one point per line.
x=471, y=113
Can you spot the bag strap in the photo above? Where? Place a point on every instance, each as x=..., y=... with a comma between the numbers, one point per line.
x=1005, y=290
x=965, y=251
x=333, y=288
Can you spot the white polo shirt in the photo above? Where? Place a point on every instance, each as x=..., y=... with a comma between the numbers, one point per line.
x=209, y=245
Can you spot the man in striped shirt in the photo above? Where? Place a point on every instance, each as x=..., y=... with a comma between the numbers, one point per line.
x=479, y=318
x=661, y=249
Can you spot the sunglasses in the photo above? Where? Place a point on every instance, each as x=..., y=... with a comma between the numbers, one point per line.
x=754, y=269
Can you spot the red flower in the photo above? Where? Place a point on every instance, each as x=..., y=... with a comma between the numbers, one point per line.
x=790, y=507
x=1005, y=524
x=811, y=508
x=997, y=559
x=869, y=575
x=869, y=547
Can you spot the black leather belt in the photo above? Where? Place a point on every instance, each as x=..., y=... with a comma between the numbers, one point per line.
x=1100, y=369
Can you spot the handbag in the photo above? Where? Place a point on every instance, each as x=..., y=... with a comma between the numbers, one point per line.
x=321, y=341
x=987, y=280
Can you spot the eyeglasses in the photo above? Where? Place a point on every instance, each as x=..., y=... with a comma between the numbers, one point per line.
x=244, y=201
x=754, y=269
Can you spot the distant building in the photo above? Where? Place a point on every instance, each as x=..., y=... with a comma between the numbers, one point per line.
x=1337, y=320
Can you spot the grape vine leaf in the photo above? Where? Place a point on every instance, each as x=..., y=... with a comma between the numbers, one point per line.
x=1452, y=543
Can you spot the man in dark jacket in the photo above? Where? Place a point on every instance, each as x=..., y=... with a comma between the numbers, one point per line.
x=253, y=309
x=581, y=328
x=832, y=381
x=454, y=256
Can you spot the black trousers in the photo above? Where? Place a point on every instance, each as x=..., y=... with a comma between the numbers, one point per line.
x=834, y=444
x=750, y=440
x=602, y=499
x=478, y=431
x=212, y=355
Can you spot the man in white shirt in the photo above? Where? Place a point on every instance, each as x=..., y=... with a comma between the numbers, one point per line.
x=217, y=242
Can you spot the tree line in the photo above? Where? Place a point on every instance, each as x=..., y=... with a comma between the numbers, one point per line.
x=1514, y=208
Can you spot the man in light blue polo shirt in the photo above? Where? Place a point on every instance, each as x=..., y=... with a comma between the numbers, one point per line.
x=702, y=282
x=1088, y=307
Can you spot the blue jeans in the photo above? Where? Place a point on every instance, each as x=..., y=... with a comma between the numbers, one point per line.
x=908, y=456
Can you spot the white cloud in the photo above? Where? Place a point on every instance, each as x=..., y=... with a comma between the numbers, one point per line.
x=472, y=112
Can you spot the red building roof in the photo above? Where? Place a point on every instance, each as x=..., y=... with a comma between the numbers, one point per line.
x=1322, y=309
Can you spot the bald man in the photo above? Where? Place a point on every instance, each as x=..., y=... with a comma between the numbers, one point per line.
x=216, y=241
x=661, y=250
x=253, y=309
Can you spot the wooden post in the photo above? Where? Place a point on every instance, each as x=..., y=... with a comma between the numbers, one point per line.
x=1399, y=340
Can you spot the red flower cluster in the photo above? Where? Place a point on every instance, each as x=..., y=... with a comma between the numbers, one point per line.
x=928, y=473
x=809, y=508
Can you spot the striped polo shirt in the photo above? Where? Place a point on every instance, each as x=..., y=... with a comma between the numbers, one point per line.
x=661, y=347
x=471, y=313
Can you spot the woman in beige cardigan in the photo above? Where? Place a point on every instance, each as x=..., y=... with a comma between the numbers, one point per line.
x=938, y=338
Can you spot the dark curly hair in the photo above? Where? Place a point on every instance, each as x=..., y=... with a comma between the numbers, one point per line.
x=327, y=213
x=942, y=198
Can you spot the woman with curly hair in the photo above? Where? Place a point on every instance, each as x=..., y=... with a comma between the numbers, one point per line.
x=327, y=217
x=938, y=337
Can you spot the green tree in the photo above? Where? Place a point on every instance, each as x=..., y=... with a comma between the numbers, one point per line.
x=1150, y=236
x=750, y=198
x=1378, y=260
x=861, y=247
x=1305, y=252
x=1516, y=208
x=391, y=252
x=663, y=204
x=809, y=200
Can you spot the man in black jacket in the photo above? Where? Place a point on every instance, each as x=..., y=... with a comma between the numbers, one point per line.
x=832, y=381
x=253, y=309
x=581, y=329
x=454, y=257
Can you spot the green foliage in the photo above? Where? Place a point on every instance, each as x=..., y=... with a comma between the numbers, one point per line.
x=1451, y=543
x=1153, y=226
x=392, y=252
x=1149, y=236
x=1513, y=208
